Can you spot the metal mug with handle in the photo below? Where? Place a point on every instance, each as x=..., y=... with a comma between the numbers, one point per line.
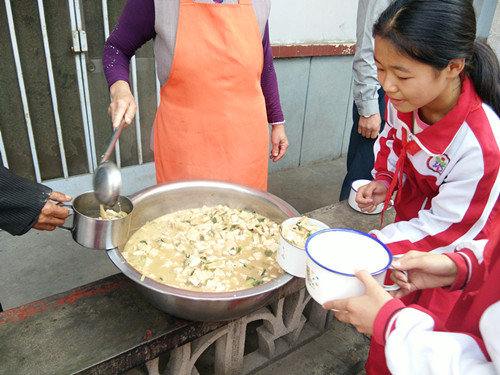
x=90, y=231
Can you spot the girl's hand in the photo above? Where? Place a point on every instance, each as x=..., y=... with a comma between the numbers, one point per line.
x=425, y=270
x=279, y=142
x=371, y=195
x=122, y=104
x=361, y=311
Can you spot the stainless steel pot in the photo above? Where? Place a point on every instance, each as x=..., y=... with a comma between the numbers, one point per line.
x=202, y=306
x=90, y=231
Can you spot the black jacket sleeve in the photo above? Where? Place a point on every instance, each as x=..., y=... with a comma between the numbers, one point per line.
x=21, y=201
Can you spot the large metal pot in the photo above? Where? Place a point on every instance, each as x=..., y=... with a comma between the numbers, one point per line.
x=202, y=306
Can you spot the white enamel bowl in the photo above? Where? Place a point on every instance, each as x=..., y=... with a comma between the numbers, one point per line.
x=332, y=257
x=292, y=258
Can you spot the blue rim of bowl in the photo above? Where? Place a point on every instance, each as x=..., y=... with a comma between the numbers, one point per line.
x=353, y=231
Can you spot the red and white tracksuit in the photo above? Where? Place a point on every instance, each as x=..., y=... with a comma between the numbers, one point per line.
x=417, y=342
x=447, y=183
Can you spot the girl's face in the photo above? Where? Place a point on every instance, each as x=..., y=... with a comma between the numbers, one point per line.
x=412, y=85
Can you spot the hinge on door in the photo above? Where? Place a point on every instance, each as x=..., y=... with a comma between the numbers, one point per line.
x=79, y=41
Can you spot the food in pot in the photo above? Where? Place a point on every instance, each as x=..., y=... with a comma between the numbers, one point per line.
x=298, y=233
x=209, y=249
x=110, y=214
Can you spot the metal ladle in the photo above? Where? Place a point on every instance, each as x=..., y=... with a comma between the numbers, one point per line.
x=107, y=176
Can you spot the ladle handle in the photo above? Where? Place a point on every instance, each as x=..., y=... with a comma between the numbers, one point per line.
x=112, y=143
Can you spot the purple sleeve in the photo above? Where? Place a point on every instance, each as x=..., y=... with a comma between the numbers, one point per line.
x=134, y=28
x=269, y=83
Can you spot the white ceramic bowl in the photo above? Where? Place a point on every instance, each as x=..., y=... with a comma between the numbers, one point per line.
x=352, y=197
x=291, y=257
x=332, y=257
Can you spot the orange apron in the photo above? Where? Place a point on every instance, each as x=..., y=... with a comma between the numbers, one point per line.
x=212, y=122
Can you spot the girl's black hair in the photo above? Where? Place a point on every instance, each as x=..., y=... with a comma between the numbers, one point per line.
x=436, y=31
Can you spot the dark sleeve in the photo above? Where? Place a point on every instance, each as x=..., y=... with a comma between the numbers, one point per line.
x=135, y=27
x=269, y=82
x=21, y=201
x=463, y=261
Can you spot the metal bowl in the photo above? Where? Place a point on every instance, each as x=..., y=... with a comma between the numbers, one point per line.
x=162, y=199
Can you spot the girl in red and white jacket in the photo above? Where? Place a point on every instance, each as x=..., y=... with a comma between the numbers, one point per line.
x=439, y=152
x=414, y=339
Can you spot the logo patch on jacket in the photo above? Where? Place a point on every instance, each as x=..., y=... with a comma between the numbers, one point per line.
x=438, y=163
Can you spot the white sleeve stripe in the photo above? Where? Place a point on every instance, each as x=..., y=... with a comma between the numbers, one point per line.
x=469, y=267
